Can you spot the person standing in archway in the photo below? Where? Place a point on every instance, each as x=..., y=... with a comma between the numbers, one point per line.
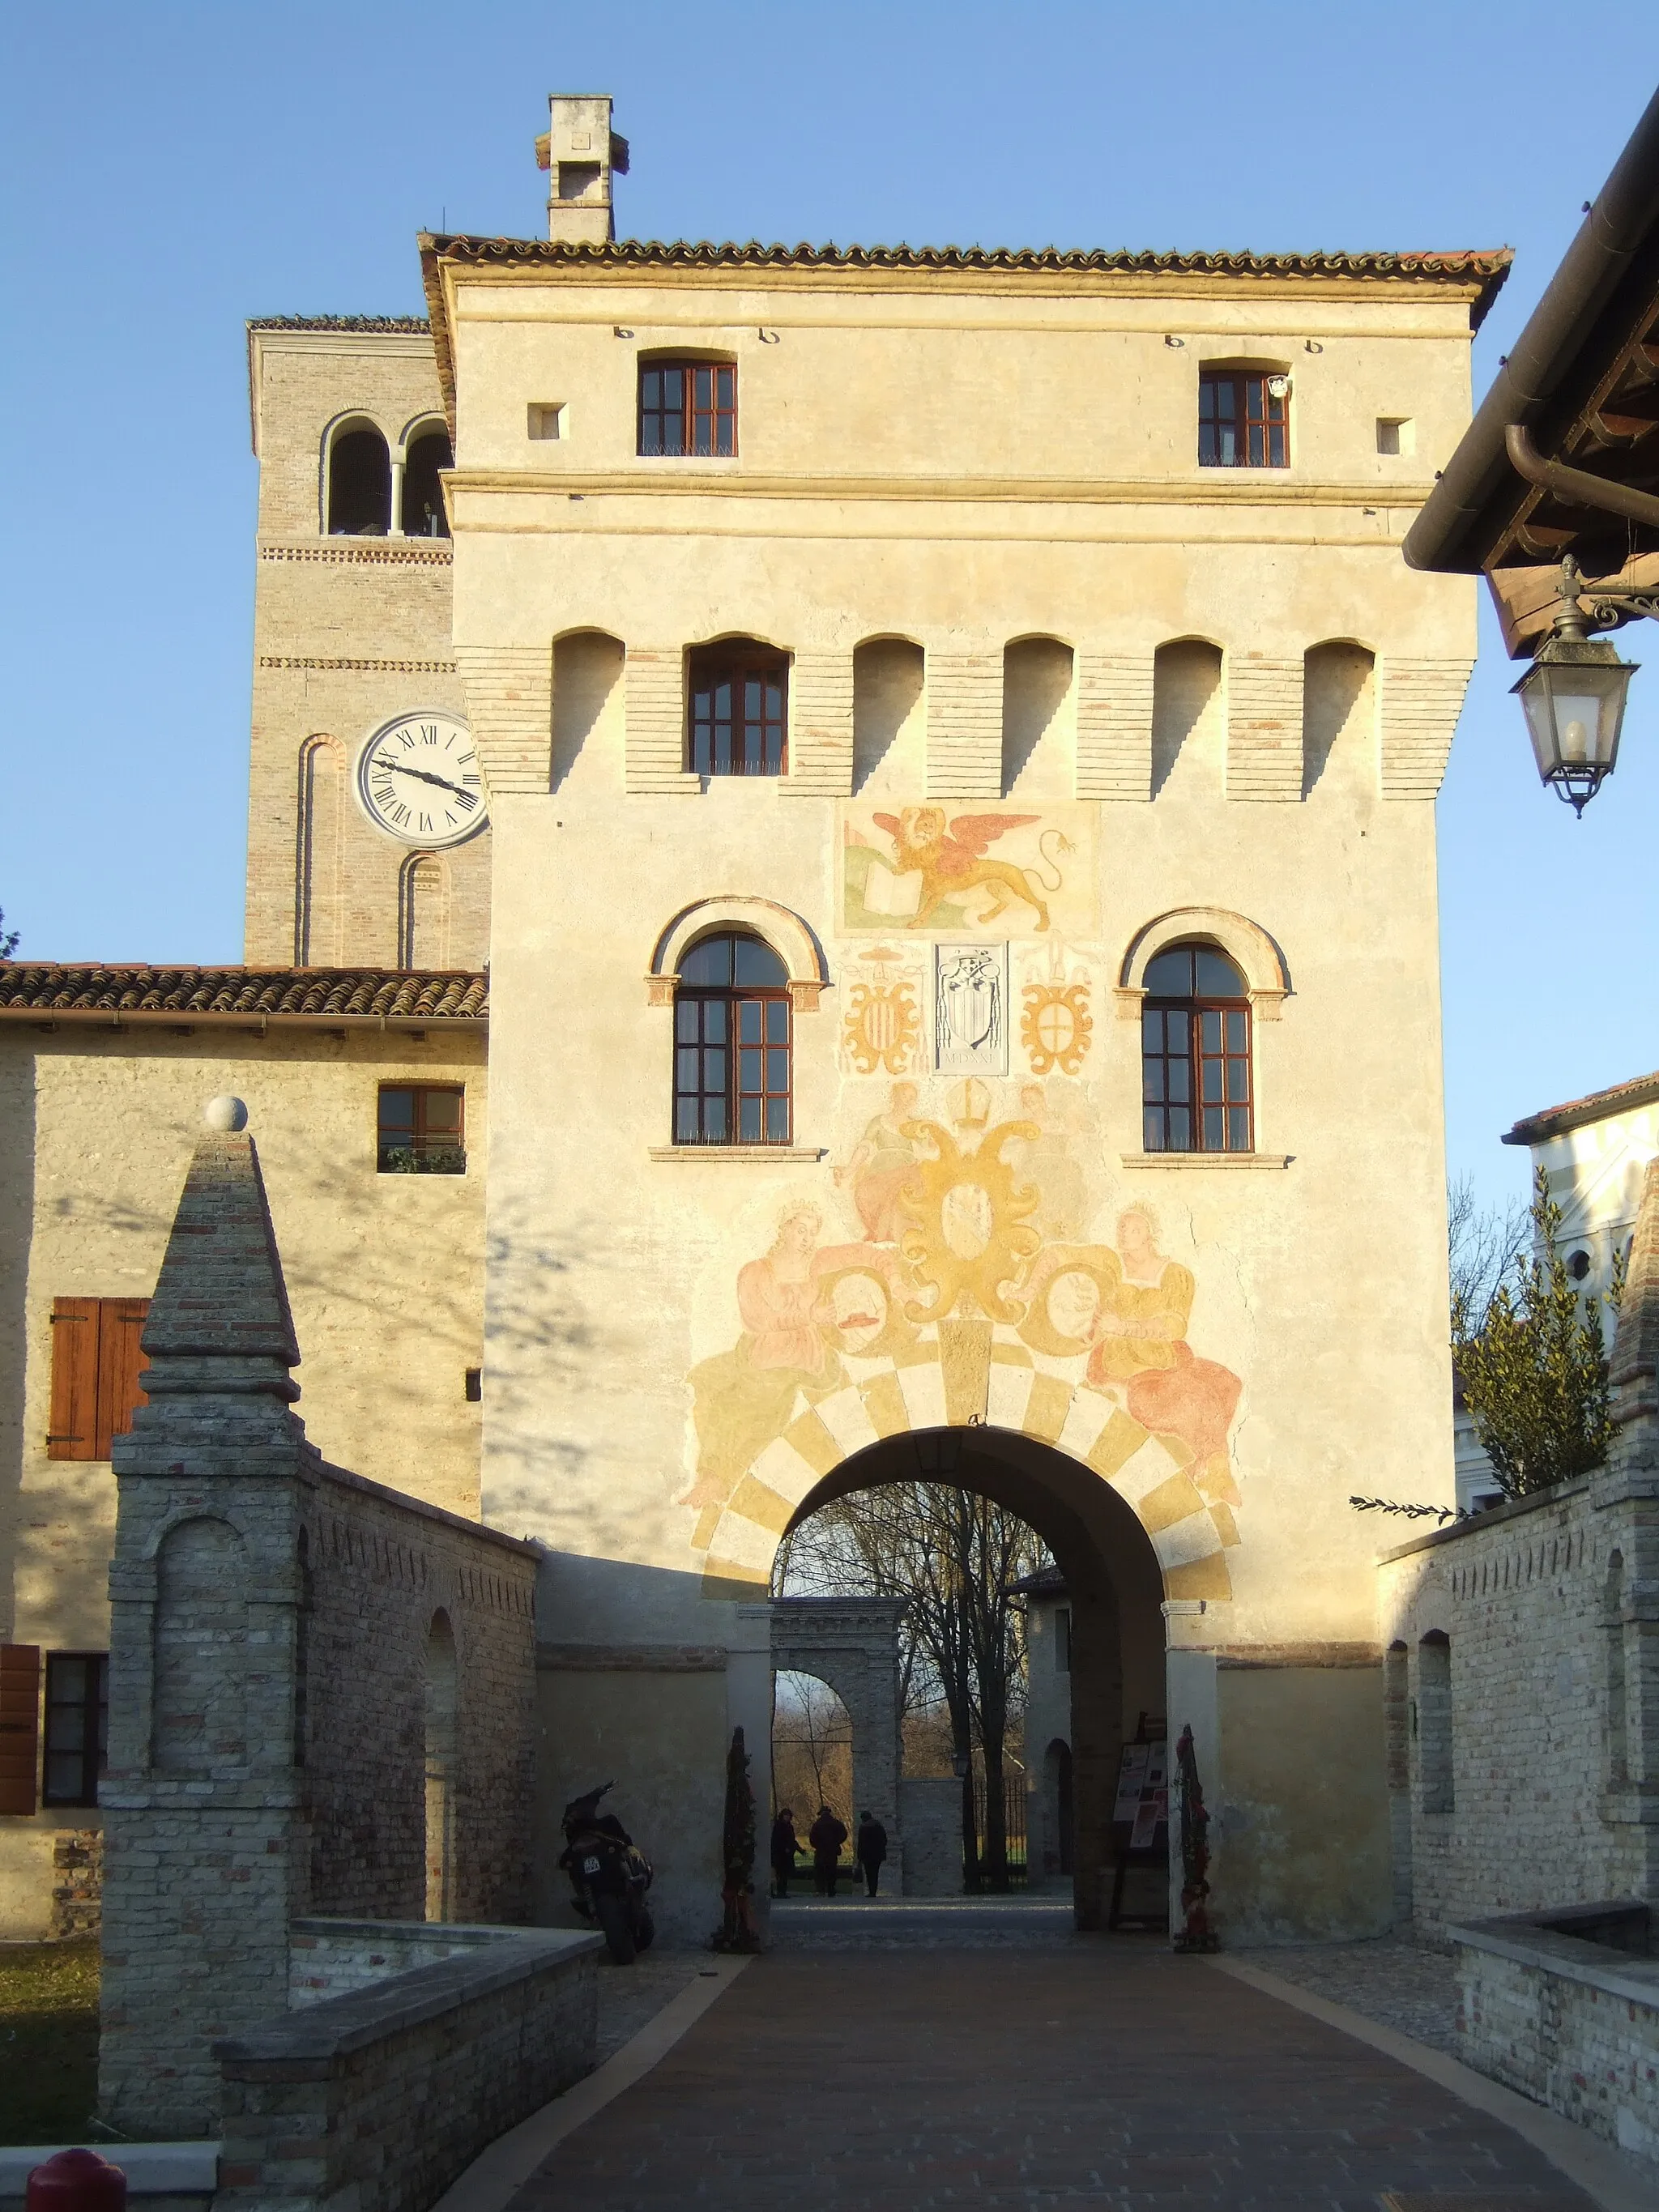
x=826, y=1835
x=872, y=1850
x=786, y=1849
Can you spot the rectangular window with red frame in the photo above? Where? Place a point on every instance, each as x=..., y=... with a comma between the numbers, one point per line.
x=1244, y=420
x=688, y=407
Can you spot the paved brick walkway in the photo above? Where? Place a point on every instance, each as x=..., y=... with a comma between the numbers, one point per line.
x=1105, y=2072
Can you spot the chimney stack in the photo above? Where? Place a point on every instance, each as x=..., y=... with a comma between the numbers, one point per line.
x=579, y=152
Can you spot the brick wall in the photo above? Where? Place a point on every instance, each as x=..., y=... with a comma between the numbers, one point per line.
x=380, y=1567
x=78, y=1888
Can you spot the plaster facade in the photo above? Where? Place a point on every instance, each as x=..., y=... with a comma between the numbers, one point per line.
x=1058, y=699
x=1232, y=729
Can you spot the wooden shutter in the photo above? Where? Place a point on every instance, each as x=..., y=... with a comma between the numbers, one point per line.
x=95, y=1366
x=72, y=1432
x=120, y=1362
x=19, y=1725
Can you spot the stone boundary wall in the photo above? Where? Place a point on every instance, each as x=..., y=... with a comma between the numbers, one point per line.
x=382, y=2096
x=1572, y=2024
x=1530, y=1782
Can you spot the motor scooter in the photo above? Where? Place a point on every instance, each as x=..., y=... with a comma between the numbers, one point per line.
x=609, y=1876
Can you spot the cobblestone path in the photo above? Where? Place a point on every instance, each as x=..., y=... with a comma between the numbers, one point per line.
x=1093, y=2071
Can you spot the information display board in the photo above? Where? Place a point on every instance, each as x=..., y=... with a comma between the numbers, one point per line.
x=1143, y=1795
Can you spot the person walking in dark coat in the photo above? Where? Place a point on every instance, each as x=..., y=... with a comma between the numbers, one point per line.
x=826, y=1835
x=873, y=1850
x=786, y=1849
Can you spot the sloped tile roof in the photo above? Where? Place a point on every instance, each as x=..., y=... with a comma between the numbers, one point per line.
x=416, y=323
x=1577, y=1112
x=438, y=995
x=1486, y=268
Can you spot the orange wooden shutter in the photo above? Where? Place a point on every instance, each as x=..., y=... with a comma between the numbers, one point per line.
x=120, y=1362
x=73, y=1429
x=20, y=1724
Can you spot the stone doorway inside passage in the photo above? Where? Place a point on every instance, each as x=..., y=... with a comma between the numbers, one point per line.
x=1115, y=1637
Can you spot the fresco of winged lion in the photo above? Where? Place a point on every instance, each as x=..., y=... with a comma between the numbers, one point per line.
x=952, y=860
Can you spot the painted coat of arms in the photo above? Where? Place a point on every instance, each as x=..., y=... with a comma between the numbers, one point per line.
x=881, y=1029
x=970, y=1009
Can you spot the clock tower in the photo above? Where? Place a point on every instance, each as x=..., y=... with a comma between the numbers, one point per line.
x=369, y=838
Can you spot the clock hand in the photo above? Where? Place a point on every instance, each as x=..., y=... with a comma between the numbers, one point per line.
x=421, y=775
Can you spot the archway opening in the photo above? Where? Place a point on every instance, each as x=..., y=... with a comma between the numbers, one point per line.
x=813, y=1788
x=966, y=1526
x=359, y=483
x=424, y=514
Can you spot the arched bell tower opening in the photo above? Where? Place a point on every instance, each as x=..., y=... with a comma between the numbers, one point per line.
x=1115, y=1591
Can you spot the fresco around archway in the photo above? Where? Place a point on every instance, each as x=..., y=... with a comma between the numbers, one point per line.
x=974, y=1262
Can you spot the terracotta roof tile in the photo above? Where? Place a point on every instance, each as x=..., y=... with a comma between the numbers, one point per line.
x=1576, y=1113
x=1486, y=268
x=438, y=995
x=416, y=323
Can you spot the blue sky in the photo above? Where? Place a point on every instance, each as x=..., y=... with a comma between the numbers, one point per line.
x=169, y=170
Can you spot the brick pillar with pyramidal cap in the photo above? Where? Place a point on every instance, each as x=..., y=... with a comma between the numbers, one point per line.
x=203, y=1815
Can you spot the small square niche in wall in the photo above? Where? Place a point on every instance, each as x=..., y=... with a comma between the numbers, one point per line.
x=548, y=418
x=1395, y=433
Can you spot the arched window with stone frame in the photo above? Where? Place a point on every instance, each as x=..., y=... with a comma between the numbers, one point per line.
x=1197, y=1092
x=733, y=1044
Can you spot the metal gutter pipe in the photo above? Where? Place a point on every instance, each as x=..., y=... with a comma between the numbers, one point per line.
x=1610, y=236
x=1577, y=486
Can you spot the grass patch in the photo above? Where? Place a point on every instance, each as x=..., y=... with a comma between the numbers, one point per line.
x=48, y=2041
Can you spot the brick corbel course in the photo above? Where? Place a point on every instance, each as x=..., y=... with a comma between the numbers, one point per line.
x=1421, y=700
x=509, y=708
x=820, y=727
x=1264, y=727
x=1114, y=725
x=965, y=725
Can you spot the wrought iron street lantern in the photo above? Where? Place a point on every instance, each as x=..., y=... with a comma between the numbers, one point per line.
x=1574, y=693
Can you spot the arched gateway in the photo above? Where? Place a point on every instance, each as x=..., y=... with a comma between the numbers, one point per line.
x=1112, y=1573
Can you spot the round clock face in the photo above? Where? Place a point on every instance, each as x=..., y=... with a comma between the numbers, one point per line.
x=419, y=779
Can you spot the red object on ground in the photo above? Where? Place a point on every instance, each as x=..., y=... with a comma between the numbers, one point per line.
x=76, y=2181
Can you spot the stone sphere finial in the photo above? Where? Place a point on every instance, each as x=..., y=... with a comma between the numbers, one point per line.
x=226, y=1114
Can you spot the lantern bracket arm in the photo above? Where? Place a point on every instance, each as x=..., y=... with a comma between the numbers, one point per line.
x=1607, y=610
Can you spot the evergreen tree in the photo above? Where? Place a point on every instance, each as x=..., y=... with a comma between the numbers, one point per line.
x=1533, y=1361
